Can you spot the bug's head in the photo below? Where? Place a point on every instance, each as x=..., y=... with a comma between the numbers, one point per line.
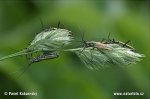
x=90, y=44
x=86, y=43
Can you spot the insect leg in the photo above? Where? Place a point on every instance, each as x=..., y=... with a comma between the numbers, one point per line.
x=41, y=23
x=28, y=56
x=82, y=50
x=126, y=43
x=88, y=61
x=60, y=24
x=24, y=71
x=103, y=40
x=109, y=36
x=91, y=53
x=108, y=40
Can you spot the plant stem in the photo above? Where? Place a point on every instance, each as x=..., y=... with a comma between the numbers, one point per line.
x=23, y=52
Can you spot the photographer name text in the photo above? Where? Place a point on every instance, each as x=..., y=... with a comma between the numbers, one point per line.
x=21, y=93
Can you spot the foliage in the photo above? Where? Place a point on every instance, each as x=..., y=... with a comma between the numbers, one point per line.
x=66, y=77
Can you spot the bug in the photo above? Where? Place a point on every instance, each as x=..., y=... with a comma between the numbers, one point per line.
x=44, y=56
x=95, y=44
x=49, y=40
x=100, y=47
x=122, y=44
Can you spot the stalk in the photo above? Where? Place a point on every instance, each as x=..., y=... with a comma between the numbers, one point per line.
x=23, y=52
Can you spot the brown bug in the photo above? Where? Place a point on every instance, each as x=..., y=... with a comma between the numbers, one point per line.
x=98, y=45
x=95, y=44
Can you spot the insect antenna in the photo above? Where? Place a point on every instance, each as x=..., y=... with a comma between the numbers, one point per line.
x=131, y=43
x=113, y=40
x=60, y=24
x=82, y=37
x=41, y=23
x=108, y=40
x=26, y=68
x=43, y=28
x=128, y=46
x=82, y=42
x=109, y=36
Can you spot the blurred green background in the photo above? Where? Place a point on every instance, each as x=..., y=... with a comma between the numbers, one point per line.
x=66, y=77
